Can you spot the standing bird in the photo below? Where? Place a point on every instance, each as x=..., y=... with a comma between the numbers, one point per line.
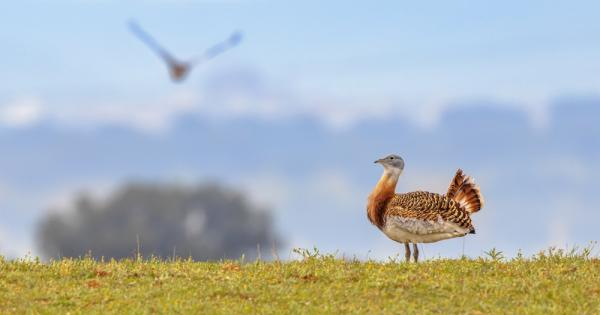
x=180, y=69
x=420, y=216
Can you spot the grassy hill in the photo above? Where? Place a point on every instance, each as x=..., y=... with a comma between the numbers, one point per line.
x=553, y=281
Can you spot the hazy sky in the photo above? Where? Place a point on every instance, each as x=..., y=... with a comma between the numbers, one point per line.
x=416, y=56
x=69, y=69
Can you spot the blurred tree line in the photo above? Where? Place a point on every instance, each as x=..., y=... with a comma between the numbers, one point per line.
x=206, y=222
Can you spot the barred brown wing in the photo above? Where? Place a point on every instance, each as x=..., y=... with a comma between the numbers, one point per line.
x=426, y=210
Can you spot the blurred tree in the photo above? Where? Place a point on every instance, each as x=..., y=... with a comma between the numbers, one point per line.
x=207, y=222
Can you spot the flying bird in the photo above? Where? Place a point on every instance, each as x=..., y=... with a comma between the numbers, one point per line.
x=420, y=216
x=180, y=69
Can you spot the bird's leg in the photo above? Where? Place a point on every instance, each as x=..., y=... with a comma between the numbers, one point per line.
x=415, y=252
x=407, y=253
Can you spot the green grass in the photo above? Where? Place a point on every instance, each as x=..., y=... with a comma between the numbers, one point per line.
x=552, y=282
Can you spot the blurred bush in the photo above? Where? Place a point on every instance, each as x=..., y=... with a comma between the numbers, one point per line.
x=206, y=222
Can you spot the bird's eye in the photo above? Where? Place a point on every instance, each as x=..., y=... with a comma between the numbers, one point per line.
x=391, y=157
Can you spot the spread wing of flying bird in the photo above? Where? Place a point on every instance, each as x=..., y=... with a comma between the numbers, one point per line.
x=180, y=69
x=234, y=39
x=151, y=42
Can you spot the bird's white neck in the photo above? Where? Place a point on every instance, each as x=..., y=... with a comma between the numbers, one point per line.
x=391, y=173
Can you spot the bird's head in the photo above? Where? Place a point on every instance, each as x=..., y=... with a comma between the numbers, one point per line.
x=392, y=163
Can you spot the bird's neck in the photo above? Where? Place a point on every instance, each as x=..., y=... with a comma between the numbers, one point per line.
x=381, y=195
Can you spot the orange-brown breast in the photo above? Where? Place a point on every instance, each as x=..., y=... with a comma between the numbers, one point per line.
x=384, y=191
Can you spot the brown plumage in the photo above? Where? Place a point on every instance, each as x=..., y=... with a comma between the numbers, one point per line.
x=420, y=216
x=464, y=190
x=422, y=205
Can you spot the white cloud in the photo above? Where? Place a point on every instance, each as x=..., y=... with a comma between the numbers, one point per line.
x=227, y=94
x=233, y=93
x=21, y=112
x=152, y=116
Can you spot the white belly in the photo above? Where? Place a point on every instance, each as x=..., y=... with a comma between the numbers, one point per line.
x=416, y=231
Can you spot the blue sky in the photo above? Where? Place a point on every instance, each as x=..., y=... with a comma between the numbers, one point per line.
x=394, y=53
x=73, y=69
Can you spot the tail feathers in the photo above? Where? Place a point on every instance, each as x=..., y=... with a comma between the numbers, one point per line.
x=465, y=192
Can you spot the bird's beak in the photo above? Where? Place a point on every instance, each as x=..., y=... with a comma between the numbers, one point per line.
x=377, y=161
